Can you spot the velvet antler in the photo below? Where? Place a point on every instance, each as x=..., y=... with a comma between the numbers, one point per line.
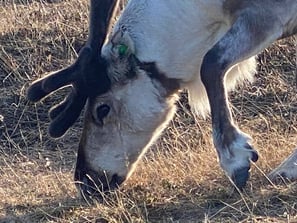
x=87, y=75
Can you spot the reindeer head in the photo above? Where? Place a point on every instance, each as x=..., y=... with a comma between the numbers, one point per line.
x=128, y=103
x=121, y=124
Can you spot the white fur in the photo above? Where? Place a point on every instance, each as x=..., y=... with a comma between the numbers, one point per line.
x=176, y=35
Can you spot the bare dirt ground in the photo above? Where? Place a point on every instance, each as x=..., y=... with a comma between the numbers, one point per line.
x=179, y=180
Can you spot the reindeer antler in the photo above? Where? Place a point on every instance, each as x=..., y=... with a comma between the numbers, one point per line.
x=87, y=75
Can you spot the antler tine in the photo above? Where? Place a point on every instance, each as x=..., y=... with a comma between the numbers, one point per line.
x=46, y=85
x=87, y=74
x=66, y=113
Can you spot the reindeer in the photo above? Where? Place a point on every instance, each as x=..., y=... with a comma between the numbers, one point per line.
x=130, y=82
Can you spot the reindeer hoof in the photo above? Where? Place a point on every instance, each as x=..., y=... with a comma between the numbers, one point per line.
x=240, y=177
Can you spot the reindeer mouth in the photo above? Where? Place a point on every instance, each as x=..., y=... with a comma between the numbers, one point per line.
x=93, y=185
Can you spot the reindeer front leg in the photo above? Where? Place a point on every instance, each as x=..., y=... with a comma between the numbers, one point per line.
x=287, y=170
x=246, y=38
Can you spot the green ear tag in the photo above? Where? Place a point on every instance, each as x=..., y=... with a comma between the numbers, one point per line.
x=123, y=49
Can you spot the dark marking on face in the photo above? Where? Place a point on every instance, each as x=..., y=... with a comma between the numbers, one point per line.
x=171, y=85
x=131, y=72
x=122, y=68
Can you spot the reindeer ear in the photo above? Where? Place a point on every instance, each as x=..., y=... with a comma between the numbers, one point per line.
x=122, y=45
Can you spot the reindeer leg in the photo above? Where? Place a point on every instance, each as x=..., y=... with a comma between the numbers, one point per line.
x=287, y=170
x=246, y=37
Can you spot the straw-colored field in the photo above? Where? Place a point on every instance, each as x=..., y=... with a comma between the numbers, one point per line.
x=179, y=180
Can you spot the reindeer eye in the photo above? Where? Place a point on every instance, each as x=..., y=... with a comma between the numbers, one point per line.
x=101, y=112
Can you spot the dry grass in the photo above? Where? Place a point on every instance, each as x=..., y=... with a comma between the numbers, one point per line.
x=179, y=180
